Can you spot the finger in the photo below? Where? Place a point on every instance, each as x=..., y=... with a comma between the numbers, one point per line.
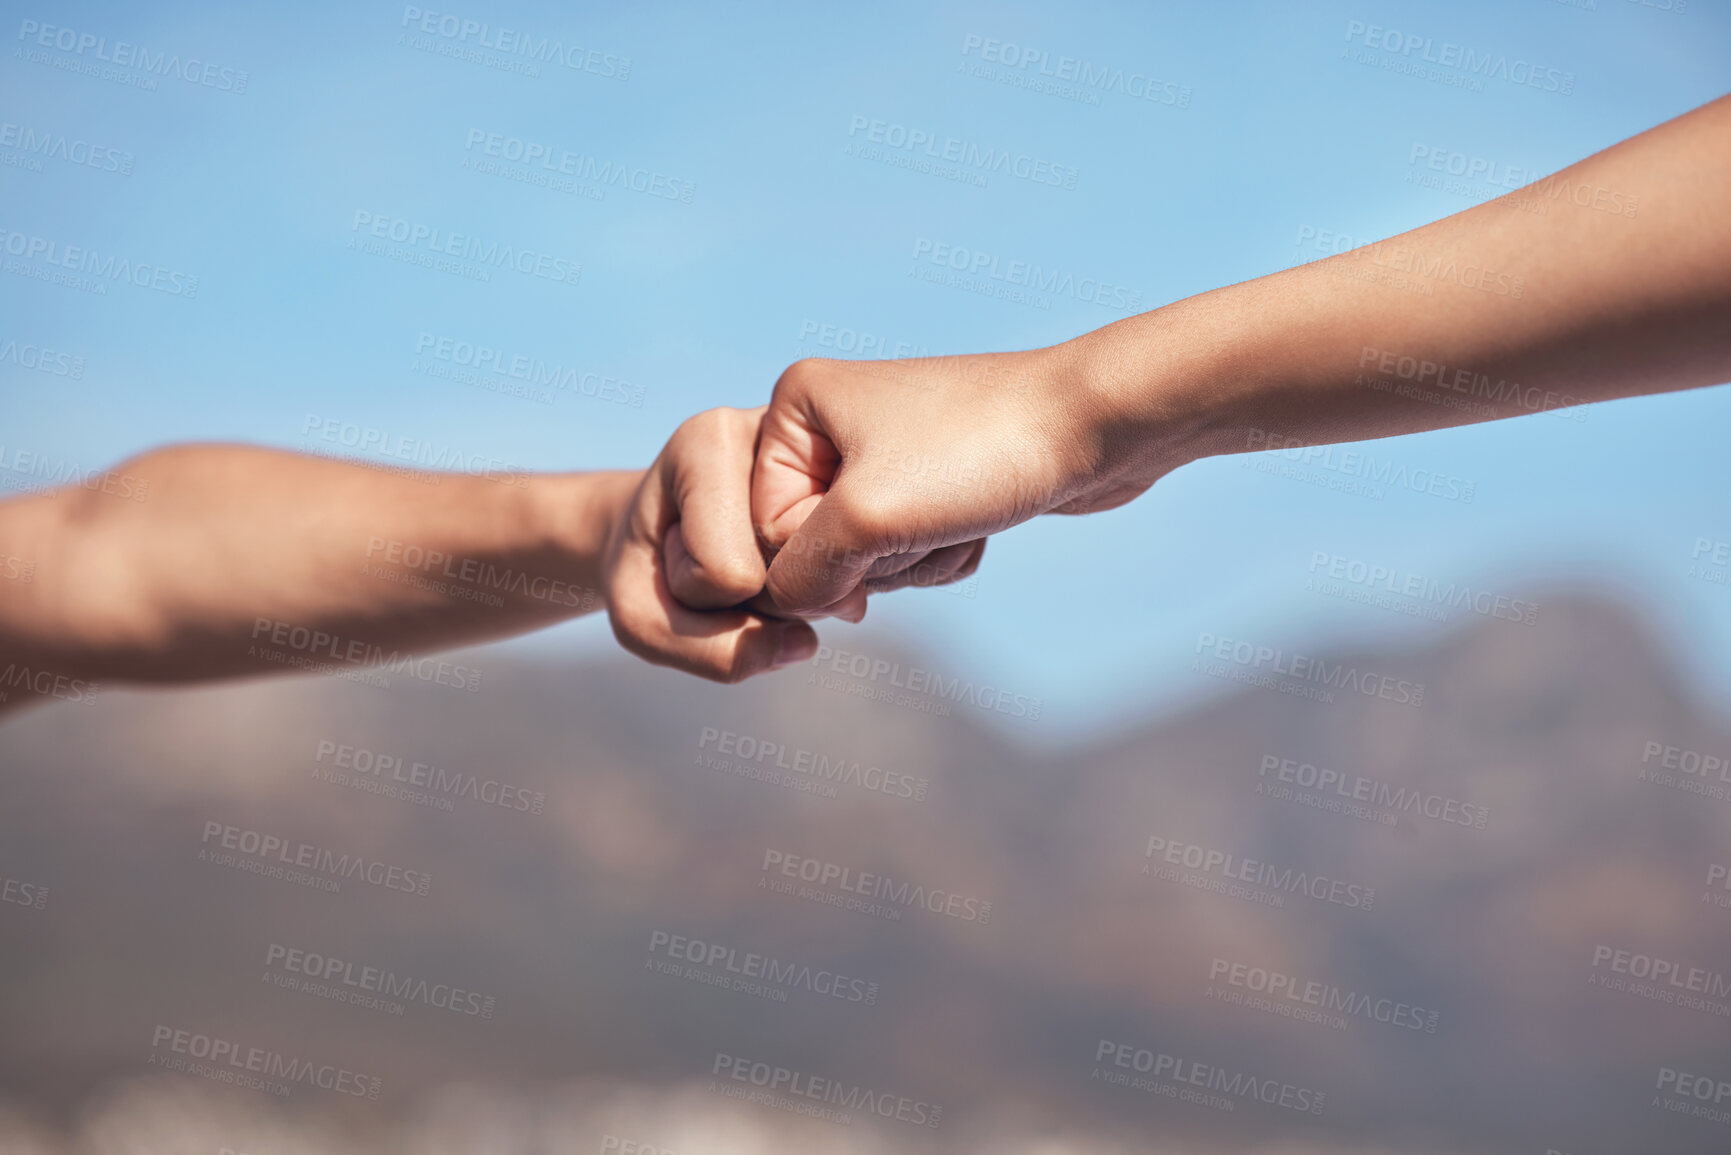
x=952, y=563
x=796, y=459
x=721, y=645
x=711, y=551
x=892, y=564
x=709, y=587
x=828, y=556
x=851, y=607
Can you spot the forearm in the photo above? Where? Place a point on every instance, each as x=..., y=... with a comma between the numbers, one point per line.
x=1522, y=304
x=237, y=551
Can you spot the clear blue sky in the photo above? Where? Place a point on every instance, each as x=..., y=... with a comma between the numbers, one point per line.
x=1264, y=130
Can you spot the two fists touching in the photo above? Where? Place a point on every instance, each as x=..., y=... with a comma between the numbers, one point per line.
x=865, y=476
x=683, y=560
x=856, y=478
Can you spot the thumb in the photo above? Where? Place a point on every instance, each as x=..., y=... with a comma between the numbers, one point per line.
x=828, y=556
x=796, y=459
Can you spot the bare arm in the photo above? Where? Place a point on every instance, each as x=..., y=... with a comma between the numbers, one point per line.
x=211, y=561
x=200, y=559
x=1610, y=279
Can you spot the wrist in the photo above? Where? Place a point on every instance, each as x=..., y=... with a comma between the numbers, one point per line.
x=1167, y=387
x=574, y=515
x=1140, y=412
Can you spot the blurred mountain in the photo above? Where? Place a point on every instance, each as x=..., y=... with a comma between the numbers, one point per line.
x=1436, y=880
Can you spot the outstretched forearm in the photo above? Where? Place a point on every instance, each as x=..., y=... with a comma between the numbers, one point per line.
x=1609, y=279
x=240, y=559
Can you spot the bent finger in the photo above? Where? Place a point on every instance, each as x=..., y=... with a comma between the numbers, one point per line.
x=952, y=563
x=711, y=550
x=727, y=645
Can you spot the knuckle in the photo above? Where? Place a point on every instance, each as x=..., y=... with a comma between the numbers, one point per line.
x=739, y=667
x=736, y=579
x=692, y=428
x=803, y=374
x=719, y=426
x=726, y=660
x=631, y=632
x=788, y=589
x=712, y=671
x=640, y=626
x=878, y=526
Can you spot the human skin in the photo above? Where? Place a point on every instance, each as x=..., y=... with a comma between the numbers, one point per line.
x=1547, y=287
x=200, y=560
x=872, y=475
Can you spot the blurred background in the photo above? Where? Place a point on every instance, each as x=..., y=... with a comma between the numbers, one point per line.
x=1162, y=901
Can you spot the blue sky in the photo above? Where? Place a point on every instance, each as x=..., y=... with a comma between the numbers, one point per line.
x=1264, y=131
